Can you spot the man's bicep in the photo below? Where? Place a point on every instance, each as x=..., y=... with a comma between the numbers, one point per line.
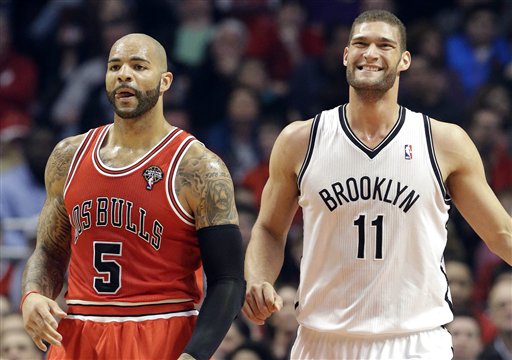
x=208, y=186
x=54, y=228
x=473, y=196
x=279, y=198
x=278, y=206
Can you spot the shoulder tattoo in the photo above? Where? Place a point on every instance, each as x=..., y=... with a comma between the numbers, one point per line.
x=58, y=163
x=206, y=178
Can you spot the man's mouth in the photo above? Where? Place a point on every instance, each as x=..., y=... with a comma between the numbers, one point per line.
x=124, y=93
x=369, y=68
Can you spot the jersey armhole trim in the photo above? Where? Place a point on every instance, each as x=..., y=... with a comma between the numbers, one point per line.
x=172, y=198
x=446, y=297
x=309, y=152
x=77, y=159
x=433, y=159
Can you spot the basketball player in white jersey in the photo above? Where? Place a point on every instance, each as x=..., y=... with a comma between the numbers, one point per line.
x=374, y=181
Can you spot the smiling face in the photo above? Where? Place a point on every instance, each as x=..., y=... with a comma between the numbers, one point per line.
x=136, y=75
x=374, y=57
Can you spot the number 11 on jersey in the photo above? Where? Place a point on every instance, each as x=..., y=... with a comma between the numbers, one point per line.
x=377, y=223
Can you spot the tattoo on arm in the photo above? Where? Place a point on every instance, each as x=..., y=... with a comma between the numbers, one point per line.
x=46, y=268
x=209, y=182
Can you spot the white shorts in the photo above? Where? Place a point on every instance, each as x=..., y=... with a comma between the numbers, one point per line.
x=431, y=344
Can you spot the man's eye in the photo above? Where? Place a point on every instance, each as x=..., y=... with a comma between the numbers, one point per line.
x=139, y=67
x=114, y=67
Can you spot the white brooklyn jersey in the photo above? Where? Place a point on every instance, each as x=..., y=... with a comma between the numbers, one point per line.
x=374, y=230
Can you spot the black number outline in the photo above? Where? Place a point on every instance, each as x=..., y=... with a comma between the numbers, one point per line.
x=111, y=268
x=360, y=222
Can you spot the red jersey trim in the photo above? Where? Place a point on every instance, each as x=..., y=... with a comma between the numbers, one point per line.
x=108, y=171
x=136, y=318
x=108, y=309
x=77, y=158
x=171, y=177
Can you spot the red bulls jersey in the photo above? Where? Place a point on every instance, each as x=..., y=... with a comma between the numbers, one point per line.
x=133, y=247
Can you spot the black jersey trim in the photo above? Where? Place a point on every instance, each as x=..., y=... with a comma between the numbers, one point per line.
x=446, y=297
x=309, y=153
x=371, y=153
x=433, y=159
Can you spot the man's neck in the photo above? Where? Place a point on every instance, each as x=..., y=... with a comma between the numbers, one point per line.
x=371, y=121
x=140, y=133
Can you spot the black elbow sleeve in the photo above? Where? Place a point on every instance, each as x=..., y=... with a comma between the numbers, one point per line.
x=223, y=263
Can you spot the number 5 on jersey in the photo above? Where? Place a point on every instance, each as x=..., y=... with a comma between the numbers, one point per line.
x=111, y=283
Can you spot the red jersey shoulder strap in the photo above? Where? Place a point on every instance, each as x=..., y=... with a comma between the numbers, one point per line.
x=186, y=141
x=86, y=144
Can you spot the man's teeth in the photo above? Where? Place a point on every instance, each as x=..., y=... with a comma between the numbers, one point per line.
x=370, y=68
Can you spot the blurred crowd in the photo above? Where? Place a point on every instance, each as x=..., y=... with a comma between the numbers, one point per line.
x=243, y=69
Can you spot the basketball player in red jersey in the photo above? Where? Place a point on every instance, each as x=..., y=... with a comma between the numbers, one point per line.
x=134, y=208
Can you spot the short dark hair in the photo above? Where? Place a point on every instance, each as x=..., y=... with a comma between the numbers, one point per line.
x=385, y=17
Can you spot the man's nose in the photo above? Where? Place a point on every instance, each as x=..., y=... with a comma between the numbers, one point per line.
x=371, y=52
x=124, y=74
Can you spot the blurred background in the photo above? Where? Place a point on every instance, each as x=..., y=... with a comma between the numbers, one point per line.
x=243, y=69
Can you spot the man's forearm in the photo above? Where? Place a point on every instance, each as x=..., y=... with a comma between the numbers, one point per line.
x=264, y=257
x=44, y=272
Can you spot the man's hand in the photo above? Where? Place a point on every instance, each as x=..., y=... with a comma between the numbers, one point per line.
x=38, y=311
x=261, y=301
x=186, y=356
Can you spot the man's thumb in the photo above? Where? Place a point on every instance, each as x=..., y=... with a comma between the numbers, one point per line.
x=278, y=303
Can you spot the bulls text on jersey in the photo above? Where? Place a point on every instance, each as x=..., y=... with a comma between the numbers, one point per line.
x=119, y=213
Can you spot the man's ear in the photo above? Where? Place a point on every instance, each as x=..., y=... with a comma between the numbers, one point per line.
x=166, y=81
x=405, y=62
x=345, y=56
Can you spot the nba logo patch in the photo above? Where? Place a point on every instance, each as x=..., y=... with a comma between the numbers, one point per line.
x=408, y=152
x=152, y=174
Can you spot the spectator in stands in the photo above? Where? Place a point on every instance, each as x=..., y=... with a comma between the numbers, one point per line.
x=256, y=177
x=254, y=75
x=80, y=105
x=324, y=76
x=23, y=195
x=460, y=280
x=478, y=51
x=18, y=74
x=465, y=330
x=213, y=81
x=5, y=306
x=17, y=344
x=486, y=129
x=430, y=90
x=238, y=333
x=11, y=321
x=251, y=351
x=286, y=41
x=500, y=310
x=234, y=140
x=193, y=32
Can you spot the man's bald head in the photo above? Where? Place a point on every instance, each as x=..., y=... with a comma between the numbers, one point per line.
x=155, y=51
